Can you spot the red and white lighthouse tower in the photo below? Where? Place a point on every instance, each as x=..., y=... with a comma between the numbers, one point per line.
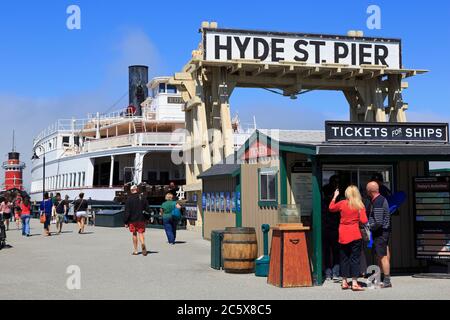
x=13, y=171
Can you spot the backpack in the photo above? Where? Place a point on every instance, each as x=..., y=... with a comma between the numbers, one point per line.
x=176, y=213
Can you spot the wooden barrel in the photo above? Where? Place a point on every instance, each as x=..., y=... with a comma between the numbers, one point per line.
x=239, y=250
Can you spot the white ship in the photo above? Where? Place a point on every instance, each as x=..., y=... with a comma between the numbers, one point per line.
x=102, y=153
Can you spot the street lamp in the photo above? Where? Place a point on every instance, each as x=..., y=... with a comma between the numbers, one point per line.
x=36, y=157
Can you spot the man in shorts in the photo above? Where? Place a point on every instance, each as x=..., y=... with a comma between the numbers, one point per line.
x=380, y=226
x=135, y=219
x=60, y=207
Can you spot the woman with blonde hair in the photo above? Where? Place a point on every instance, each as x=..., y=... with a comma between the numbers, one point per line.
x=169, y=220
x=353, y=212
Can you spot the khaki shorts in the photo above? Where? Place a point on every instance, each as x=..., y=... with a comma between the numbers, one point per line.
x=59, y=218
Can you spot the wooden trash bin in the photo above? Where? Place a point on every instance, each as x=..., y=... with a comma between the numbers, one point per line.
x=289, y=260
x=239, y=250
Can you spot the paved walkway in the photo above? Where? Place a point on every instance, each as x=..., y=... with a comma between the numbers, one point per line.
x=35, y=268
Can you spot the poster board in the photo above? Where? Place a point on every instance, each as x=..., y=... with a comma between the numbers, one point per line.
x=301, y=184
x=432, y=217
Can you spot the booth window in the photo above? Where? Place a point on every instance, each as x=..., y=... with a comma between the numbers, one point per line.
x=268, y=185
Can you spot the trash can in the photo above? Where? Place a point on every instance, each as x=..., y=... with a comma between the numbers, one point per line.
x=216, y=249
x=109, y=218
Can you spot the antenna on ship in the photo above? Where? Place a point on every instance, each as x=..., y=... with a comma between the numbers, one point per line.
x=14, y=142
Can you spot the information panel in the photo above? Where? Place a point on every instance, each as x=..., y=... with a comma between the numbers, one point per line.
x=432, y=216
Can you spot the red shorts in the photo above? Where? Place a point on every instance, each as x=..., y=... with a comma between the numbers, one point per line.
x=138, y=227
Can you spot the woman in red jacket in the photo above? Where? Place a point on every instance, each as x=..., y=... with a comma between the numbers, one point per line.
x=352, y=212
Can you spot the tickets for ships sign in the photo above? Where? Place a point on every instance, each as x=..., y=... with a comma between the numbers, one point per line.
x=432, y=212
x=275, y=48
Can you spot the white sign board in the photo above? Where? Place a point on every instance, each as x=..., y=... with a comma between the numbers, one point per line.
x=271, y=48
x=302, y=191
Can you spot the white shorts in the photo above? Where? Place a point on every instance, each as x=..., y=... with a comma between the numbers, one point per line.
x=81, y=214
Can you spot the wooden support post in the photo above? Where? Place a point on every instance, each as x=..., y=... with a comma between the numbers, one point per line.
x=396, y=106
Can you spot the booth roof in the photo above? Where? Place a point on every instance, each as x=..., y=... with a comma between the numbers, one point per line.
x=220, y=170
x=388, y=149
x=226, y=168
x=295, y=136
x=315, y=141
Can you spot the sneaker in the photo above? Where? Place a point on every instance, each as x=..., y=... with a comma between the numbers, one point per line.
x=385, y=285
x=328, y=274
x=144, y=251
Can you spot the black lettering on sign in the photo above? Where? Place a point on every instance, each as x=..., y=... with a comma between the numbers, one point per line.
x=317, y=44
x=298, y=47
x=256, y=44
x=337, y=51
x=276, y=49
x=363, y=54
x=226, y=47
x=381, y=53
x=242, y=46
x=353, y=54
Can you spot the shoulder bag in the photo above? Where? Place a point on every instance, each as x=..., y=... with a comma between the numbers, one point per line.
x=364, y=228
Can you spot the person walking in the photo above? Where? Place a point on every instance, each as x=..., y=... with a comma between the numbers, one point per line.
x=169, y=221
x=46, y=209
x=25, y=208
x=353, y=213
x=135, y=220
x=60, y=208
x=80, y=210
x=380, y=225
x=17, y=210
x=6, y=209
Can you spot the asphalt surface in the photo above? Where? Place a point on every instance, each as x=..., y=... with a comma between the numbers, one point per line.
x=37, y=268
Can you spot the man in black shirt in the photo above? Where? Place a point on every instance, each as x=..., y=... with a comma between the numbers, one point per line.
x=60, y=207
x=134, y=218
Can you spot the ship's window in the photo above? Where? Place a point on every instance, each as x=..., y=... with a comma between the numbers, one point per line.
x=77, y=141
x=171, y=89
x=154, y=92
x=65, y=141
x=162, y=88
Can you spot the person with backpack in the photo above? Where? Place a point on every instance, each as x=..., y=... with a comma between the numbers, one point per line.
x=135, y=218
x=46, y=210
x=60, y=207
x=80, y=211
x=171, y=213
x=25, y=215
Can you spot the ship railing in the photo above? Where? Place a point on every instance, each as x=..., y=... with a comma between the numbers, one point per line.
x=62, y=125
x=139, y=139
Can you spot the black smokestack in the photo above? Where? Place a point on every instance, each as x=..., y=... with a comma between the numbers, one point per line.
x=138, y=91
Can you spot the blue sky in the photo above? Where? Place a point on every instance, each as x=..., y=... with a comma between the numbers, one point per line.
x=49, y=72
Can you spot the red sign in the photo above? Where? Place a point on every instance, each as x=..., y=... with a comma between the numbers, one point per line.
x=259, y=150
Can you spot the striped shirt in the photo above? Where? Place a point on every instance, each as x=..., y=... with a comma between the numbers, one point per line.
x=379, y=216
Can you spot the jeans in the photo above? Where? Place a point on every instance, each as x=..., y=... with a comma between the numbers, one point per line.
x=350, y=259
x=170, y=226
x=48, y=220
x=25, y=224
